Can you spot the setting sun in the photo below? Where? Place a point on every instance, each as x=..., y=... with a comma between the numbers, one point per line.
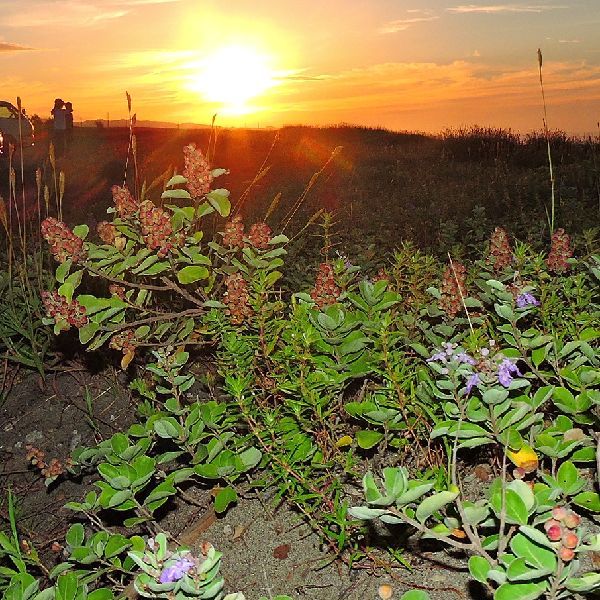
x=232, y=76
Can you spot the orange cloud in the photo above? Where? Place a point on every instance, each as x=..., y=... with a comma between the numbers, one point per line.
x=503, y=8
x=404, y=24
x=418, y=83
x=434, y=95
x=72, y=13
x=439, y=93
x=10, y=47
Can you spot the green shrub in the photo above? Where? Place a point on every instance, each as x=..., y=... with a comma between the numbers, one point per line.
x=418, y=366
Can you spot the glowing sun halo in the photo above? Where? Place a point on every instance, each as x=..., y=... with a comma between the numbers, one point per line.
x=232, y=76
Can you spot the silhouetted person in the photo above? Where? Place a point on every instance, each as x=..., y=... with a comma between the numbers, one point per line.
x=69, y=124
x=59, y=126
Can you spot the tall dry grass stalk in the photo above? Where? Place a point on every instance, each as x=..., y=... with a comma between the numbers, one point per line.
x=547, y=136
x=20, y=214
x=596, y=166
x=4, y=219
x=274, y=204
x=58, y=178
x=13, y=214
x=212, y=139
x=262, y=171
x=24, y=262
x=313, y=180
x=22, y=165
x=462, y=298
x=313, y=219
x=12, y=202
x=131, y=148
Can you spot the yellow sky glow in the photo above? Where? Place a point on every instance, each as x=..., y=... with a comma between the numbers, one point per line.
x=283, y=62
x=231, y=76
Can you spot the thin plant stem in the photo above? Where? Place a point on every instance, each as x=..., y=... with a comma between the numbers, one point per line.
x=313, y=180
x=426, y=531
x=22, y=169
x=503, y=538
x=595, y=162
x=52, y=158
x=471, y=533
x=12, y=193
x=312, y=220
x=597, y=435
x=40, y=261
x=9, y=234
x=261, y=172
x=462, y=298
x=210, y=139
x=130, y=145
x=547, y=136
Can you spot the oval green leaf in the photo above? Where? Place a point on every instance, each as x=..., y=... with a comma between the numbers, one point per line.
x=434, y=503
x=192, y=273
x=367, y=439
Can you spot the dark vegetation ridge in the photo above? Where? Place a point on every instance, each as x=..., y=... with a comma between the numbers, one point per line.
x=434, y=190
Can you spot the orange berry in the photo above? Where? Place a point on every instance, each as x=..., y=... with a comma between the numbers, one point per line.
x=566, y=554
x=570, y=540
x=572, y=520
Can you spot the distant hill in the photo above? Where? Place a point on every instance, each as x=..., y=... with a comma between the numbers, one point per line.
x=146, y=123
x=141, y=123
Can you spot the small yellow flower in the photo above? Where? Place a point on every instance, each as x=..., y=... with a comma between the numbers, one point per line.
x=127, y=358
x=344, y=441
x=458, y=533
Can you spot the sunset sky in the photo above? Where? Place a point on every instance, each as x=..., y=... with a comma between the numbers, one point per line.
x=401, y=64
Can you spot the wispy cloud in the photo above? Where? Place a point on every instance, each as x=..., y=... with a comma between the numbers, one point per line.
x=418, y=15
x=404, y=24
x=70, y=13
x=141, y=2
x=9, y=47
x=503, y=8
x=65, y=14
x=569, y=41
x=471, y=86
x=438, y=94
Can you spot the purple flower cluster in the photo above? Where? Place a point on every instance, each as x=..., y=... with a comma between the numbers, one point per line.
x=489, y=369
x=176, y=571
x=464, y=358
x=527, y=299
x=447, y=354
x=438, y=357
x=506, y=370
x=473, y=381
